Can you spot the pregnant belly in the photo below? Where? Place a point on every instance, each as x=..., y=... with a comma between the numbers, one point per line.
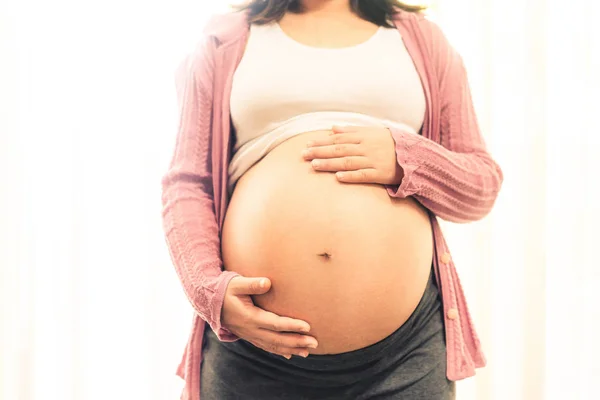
x=346, y=258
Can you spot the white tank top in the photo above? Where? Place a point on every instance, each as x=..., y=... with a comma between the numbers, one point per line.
x=282, y=88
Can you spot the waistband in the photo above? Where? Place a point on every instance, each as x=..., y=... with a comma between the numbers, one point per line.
x=336, y=370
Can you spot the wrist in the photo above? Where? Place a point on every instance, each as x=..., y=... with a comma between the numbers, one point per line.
x=398, y=175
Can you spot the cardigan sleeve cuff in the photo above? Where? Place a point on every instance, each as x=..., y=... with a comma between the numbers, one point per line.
x=405, y=142
x=222, y=333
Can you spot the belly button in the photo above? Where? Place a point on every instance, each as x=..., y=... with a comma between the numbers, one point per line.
x=325, y=255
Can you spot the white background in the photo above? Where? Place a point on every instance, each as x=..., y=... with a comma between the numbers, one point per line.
x=91, y=307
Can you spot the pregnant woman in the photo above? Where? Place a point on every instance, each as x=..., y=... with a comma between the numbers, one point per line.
x=319, y=141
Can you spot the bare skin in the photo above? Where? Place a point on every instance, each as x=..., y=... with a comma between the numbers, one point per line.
x=329, y=24
x=284, y=316
x=345, y=258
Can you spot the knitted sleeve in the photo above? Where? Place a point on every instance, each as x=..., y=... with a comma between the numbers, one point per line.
x=189, y=219
x=456, y=179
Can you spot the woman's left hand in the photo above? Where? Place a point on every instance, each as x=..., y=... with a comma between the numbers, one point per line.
x=356, y=155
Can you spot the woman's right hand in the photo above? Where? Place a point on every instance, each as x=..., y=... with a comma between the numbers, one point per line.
x=270, y=332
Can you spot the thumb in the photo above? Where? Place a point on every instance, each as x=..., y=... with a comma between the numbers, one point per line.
x=342, y=129
x=241, y=285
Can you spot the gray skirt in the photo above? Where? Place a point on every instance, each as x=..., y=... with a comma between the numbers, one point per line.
x=410, y=364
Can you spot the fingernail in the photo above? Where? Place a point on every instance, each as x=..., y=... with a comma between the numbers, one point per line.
x=305, y=153
x=309, y=143
x=304, y=354
x=262, y=283
x=316, y=163
x=340, y=175
x=312, y=345
x=288, y=357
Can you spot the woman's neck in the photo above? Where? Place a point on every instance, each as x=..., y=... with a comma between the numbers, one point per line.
x=325, y=7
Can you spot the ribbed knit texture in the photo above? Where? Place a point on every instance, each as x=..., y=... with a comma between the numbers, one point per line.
x=188, y=208
x=455, y=178
x=447, y=169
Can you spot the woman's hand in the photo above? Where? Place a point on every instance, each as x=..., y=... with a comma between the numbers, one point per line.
x=279, y=335
x=356, y=155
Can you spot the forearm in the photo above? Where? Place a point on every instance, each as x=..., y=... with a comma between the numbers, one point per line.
x=459, y=187
x=193, y=240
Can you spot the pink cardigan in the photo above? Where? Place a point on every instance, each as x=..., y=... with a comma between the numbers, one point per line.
x=447, y=169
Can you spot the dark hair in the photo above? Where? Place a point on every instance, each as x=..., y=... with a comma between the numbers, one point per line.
x=376, y=11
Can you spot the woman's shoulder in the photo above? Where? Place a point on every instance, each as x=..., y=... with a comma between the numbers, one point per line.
x=220, y=29
x=431, y=36
x=422, y=22
x=227, y=27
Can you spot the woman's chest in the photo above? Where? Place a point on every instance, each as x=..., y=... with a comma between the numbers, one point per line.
x=274, y=84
